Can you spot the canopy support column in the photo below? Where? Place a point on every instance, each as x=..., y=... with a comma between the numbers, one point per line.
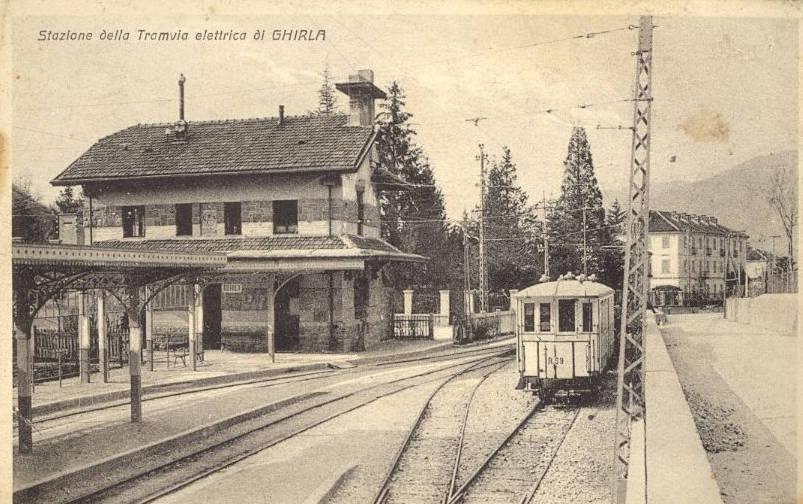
x=83, y=336
x=192, y=319
x=271, y=335
x=103, y=351
x=149, y=329
x=134, y=310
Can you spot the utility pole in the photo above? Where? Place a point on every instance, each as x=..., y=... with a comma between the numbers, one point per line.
x=482, y=157
x=630, y=407
x=546, y=239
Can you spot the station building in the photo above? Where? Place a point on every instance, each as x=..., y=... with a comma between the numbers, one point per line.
x=291, y=200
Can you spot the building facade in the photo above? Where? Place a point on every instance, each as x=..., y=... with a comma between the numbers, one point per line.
x=291, y=200
x=692, y=256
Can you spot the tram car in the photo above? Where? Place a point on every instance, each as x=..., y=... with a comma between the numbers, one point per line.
x=565, y=334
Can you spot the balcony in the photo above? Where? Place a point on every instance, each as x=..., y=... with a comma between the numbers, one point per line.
x=708, y=251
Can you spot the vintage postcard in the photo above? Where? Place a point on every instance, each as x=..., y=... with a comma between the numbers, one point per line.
x=400, y=252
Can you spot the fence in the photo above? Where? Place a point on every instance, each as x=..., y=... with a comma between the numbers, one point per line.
x=415, y=326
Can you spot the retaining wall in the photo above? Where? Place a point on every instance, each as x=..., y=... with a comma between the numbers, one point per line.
x=677, y=469
x=777, y=312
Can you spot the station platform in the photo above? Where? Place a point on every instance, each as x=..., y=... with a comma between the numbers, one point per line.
x=70, y=453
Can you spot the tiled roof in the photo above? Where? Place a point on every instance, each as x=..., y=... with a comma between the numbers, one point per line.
x=302, y=143
x=663, y=221
x=276, y=247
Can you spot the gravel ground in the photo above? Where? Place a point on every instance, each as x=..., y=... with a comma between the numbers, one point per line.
x=514, y=471
x=581, y=470
x=497, y=408
x=426, y=466
x=748, y=462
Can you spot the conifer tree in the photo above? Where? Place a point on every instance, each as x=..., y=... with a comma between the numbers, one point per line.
x=579, y=191
x=327, y=98
x=68, y=203
x=413, y=215
x=511, y=249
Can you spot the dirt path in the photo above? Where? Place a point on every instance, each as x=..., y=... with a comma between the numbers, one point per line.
x=751, y=466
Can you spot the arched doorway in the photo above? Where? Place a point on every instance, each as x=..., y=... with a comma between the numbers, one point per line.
x=213, y=317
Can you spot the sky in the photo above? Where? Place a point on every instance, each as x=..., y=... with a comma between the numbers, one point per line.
x=724, y=89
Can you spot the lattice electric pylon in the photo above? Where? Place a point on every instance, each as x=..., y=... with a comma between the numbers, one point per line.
x=630, y=386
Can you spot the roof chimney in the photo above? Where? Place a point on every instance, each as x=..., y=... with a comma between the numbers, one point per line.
x=361, y=92
x=281, y=115
x=181, y=80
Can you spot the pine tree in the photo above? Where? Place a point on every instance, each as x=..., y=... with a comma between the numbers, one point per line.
x=327, y=98
x=413, y=216
x=613, y=258
x=511, y=249
x=579, y=191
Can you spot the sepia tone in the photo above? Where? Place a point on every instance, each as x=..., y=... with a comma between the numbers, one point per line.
x=388, y=252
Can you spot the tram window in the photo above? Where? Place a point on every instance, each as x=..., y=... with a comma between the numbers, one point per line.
x=566, y=315
x=545, y=321
x=587, y=320
x=529, y=317
x=133, y=221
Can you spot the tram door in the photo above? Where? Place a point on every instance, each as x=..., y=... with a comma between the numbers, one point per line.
x=212, y=317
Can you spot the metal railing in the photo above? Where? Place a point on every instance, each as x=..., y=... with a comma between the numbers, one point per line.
x=413, y=326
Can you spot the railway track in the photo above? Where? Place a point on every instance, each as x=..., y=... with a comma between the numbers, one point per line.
x=514, y=470
x=423, y=461
x=46, y=422
x=147, y=481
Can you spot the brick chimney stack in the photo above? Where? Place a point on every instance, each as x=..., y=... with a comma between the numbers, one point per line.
x=361, y=92
x=181, y=80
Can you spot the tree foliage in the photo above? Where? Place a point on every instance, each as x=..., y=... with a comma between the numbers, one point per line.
x=68, y=203
x=510, y=229
x=413, y=215
x=31, y=221
x=782, y=196
x=327, y=98
x=580, y=194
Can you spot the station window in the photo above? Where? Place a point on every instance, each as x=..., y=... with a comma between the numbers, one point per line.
x=665, y=241
x=529, y=317
x=133, y=221
x=545, y=317
x=665, y=266
x=566, y=315
x=285, y=216
x=587, y=318
x=361, y=295
x=184, y=219
x=232, y=216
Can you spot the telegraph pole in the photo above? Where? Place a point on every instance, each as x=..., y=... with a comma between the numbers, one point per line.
x=630, y=412
x=482, y=157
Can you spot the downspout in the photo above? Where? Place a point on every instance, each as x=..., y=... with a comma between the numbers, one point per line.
x=329, y=203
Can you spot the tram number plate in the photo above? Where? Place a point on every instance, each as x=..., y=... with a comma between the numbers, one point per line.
x=555, y=361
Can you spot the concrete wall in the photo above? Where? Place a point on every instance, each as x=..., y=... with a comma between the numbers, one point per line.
x=776, y=312
x=677, y=468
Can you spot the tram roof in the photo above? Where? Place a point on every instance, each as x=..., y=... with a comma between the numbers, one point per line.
x=565, y=288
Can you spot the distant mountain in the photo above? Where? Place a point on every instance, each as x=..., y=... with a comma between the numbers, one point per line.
x=735, y=196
